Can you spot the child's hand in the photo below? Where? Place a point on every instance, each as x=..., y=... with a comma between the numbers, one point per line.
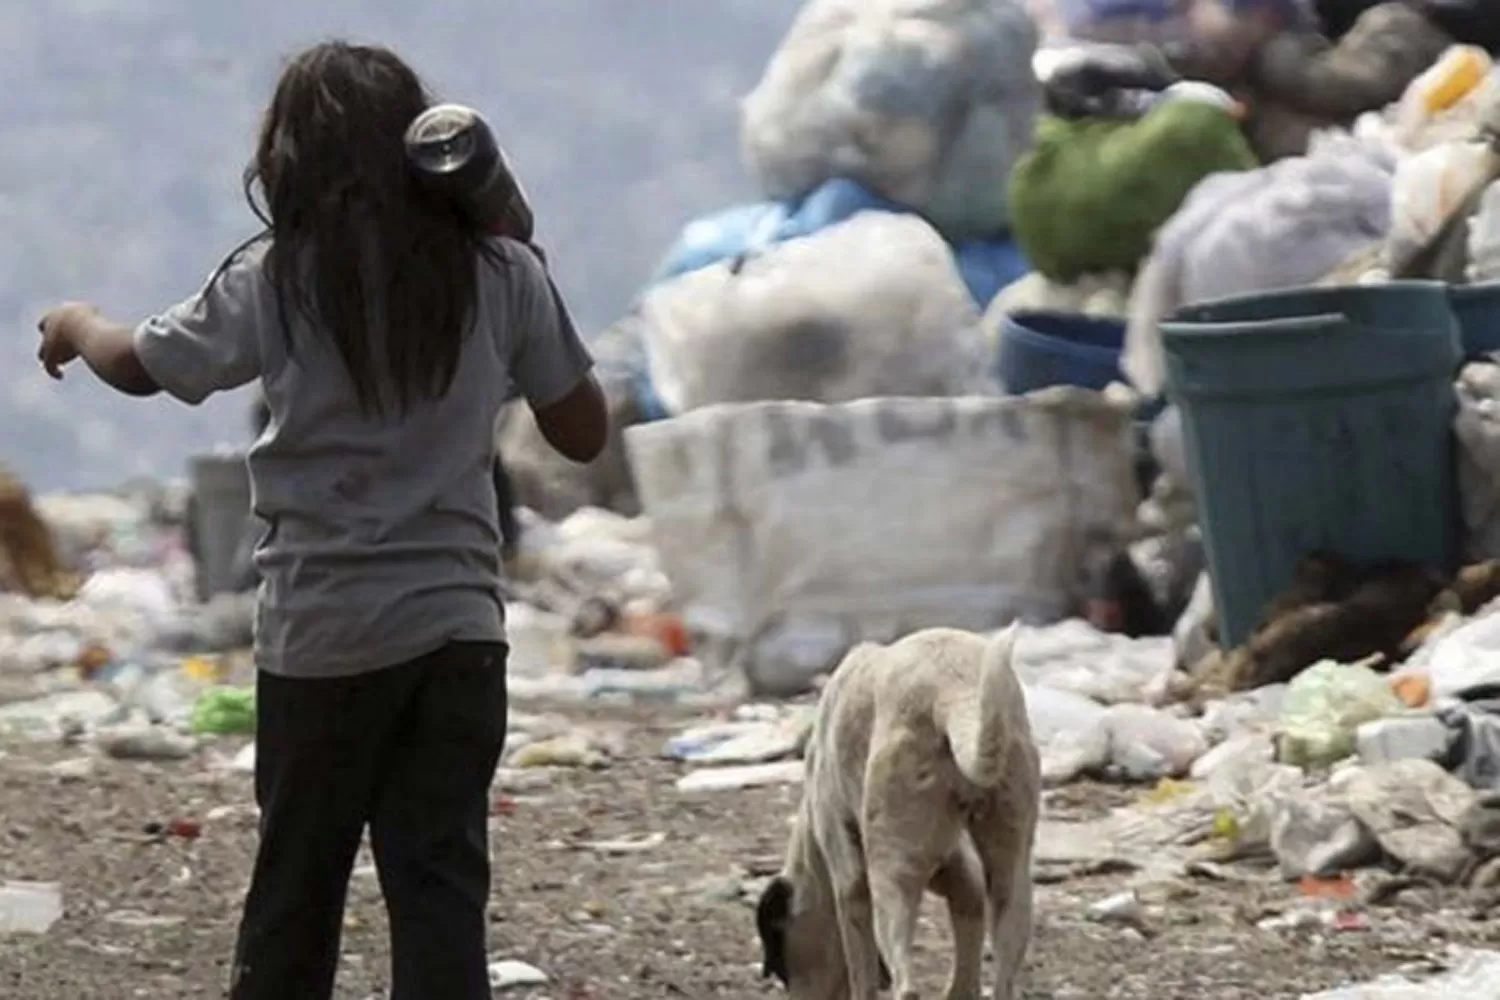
x=59, y=328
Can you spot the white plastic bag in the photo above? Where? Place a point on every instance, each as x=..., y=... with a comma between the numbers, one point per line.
x=1467, y=659
x=1429, y=186
x=1484, y=238
x=873, y=306
x=1147, y=744
x=1111, y=669
x=927, y=102
x=1477, y=428
x=1282, y=226
x=1069, y=731
x=1471, y=974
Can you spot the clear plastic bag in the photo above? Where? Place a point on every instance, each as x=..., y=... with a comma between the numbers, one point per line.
x=1070, y=732
x=873, y=306
x=927, y=102
x=1484, y=238
x=1325, y=706
x=1428, y=188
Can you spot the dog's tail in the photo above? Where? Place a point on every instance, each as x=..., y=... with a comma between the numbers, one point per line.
x=978, y=730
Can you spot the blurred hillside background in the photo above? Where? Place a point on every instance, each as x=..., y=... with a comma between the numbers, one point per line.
x=127, y=123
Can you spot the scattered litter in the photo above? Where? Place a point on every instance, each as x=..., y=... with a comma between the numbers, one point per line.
x=1069, y=731
x=509, y=974
x=54, y=716
x=29, y=907
x=1121, y=908
x=225, y=711
x=1325, y=706
x=1401, y=737
x=626, y=845
x=743, y=742
x=145, y=743
x=1415, y=810
x=73, y=769
x=1470, y=974
x=139, y=920
x=1112, y=669
x=561, y=751
x=244, y=761
x=1145, y=743
x=725, y=779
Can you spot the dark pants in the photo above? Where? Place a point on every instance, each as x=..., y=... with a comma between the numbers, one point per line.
x=411, y=752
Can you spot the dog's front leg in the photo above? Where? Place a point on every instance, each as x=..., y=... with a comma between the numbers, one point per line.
x=857, y=931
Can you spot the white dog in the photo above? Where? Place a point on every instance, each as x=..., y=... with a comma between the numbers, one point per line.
x=921, y=774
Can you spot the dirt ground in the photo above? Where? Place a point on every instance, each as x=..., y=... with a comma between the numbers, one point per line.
x=670, y=917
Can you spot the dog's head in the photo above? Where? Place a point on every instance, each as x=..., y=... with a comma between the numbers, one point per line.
x=773, y=919
x=800, y=943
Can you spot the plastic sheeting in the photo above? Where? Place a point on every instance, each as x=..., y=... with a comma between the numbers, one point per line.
x=1471, y=974
x=927, y=102
x=791, y=531
x=870, y=307
x=1282, y=226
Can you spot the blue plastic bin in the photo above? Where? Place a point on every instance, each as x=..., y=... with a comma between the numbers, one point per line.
x=1477, y=309
x=1316, y=419
x=1041, y=349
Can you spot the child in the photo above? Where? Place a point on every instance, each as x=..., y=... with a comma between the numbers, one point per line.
x=384, y=329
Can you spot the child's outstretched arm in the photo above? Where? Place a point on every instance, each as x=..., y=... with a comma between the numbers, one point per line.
x=76, y=330
x=206, y=344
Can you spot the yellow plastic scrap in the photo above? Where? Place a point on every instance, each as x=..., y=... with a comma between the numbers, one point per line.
x=1454, y=76
x=1168, y=790
x=203, y=670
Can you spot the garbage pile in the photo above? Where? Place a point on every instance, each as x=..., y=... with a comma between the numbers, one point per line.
x=124, y=659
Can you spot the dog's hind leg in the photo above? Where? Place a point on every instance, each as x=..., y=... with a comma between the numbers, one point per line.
x=1007, y=864
x=909, y=833
x=961, y=883
x=897, y=898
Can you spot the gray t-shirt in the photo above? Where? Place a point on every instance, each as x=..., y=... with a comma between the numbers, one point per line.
x=381, y=542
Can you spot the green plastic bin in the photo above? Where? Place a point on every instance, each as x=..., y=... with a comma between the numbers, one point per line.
x=1314, y=419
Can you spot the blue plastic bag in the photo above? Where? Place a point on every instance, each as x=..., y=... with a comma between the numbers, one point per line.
x=986, y=265
x=750, y=228
x=706, y=241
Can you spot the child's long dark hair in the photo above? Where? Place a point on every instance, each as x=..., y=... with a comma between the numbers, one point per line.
x=356, y=244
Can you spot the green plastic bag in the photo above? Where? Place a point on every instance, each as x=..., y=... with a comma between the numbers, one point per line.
x=225, y=711
x=1324, y=708
x=1091, y=194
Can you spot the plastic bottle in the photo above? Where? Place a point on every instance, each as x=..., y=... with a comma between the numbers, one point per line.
x=454, y=149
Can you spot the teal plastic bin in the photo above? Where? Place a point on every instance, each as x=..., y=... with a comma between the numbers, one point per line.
x=1477, y=309
x=1316, y=419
